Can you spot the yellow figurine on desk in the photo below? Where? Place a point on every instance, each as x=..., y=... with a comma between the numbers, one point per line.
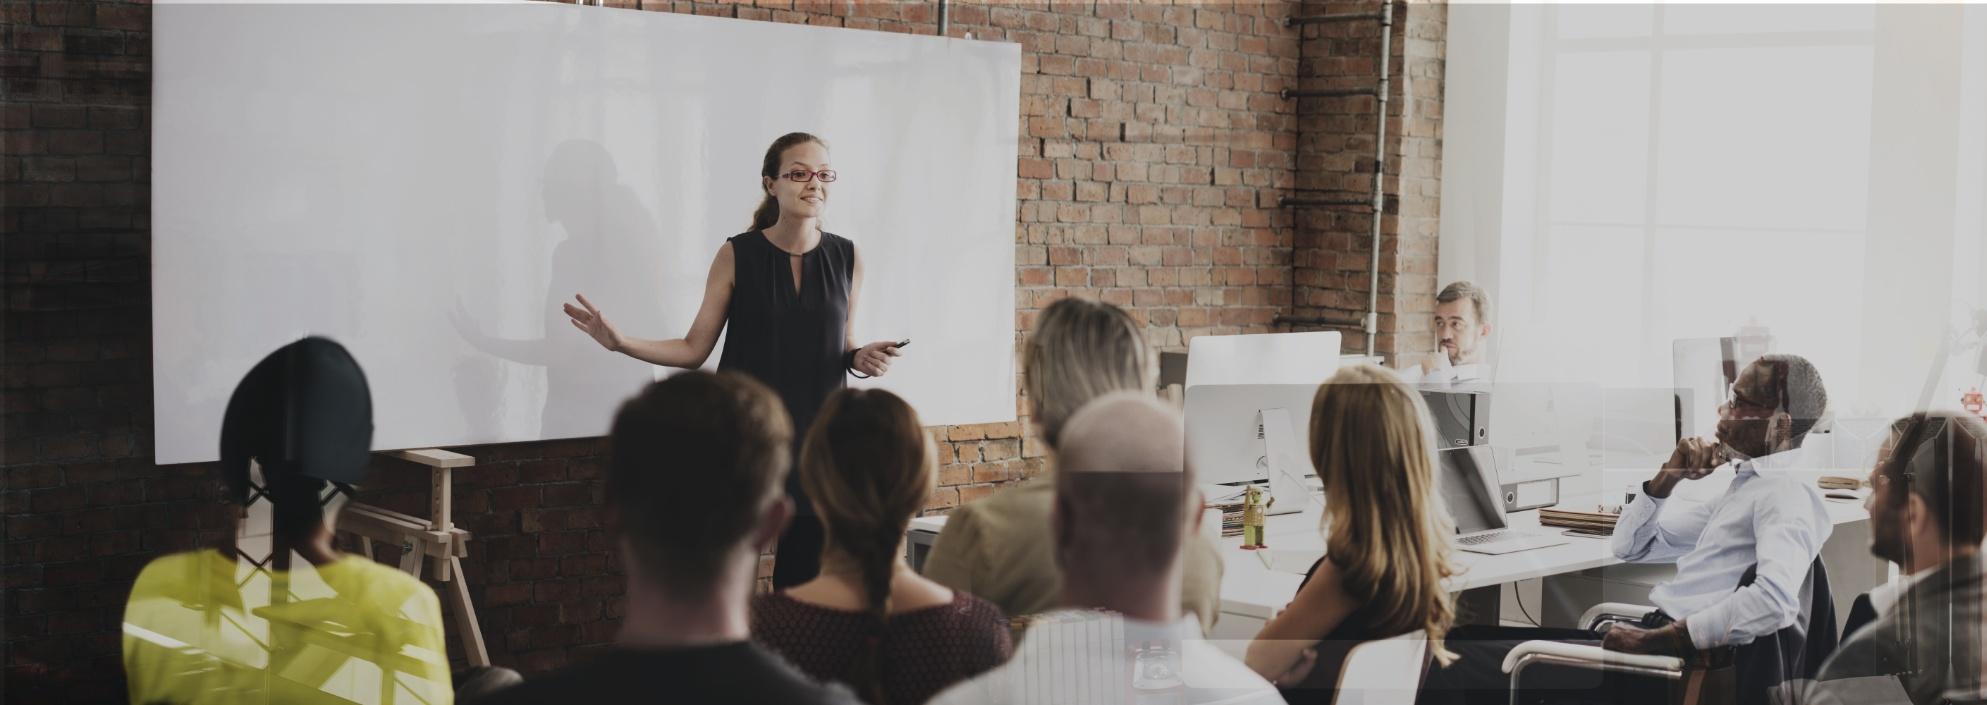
x=1253, y=518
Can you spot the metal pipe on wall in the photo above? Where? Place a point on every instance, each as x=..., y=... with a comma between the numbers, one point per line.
x=1302, y=202
x=1379, y=172
x=1317, y=321
x=1326, y=93
x=944, y=16
x=1370, y=323
x=1320, y=19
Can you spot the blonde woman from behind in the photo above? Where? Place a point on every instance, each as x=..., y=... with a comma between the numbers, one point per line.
x=999, y=548
x=1386, y=537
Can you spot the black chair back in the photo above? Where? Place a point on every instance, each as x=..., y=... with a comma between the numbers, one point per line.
x=1793, y=653
x=1861, y=613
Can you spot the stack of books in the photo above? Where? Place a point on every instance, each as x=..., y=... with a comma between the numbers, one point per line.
x=1231, y=518
x=1597, y=522
x=1843, y=489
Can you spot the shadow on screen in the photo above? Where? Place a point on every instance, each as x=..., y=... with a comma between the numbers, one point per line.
x=612, y=253
x=479, y=391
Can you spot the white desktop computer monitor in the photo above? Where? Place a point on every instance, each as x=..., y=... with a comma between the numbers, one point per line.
x=1701, y=369
x=1639, y=421
x=1545, y=429
x=1226, y=441
x=1638, y=431
x=1232, y=380
x=1264, y=358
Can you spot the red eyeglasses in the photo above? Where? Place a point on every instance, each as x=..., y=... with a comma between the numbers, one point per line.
x=804, y=176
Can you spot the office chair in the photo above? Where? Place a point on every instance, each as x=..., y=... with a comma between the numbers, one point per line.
x=1384, y=671
x=1743, y=675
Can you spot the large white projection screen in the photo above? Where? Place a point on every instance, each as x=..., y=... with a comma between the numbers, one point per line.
x=426, y=184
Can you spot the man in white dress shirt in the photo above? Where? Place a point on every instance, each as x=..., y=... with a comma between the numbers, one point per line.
x=1462, y=336
x=1766, y=519
x=1125, y=504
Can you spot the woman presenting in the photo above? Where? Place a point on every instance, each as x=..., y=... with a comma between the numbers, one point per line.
x=788, y=291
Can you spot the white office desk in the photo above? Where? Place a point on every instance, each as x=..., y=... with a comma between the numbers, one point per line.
x=1252, y=592
x=1251, y=589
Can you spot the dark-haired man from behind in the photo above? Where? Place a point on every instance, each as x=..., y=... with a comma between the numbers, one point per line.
x=694, y=482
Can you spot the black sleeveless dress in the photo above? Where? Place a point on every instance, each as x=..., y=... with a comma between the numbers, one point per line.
x=1321, y=686
x=792, y=340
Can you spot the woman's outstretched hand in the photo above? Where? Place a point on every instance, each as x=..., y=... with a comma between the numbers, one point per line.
x=588, y=319
x=874, y=359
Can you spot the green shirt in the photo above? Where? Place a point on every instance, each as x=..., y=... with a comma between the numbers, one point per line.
x=201, y=627
x=999, y=549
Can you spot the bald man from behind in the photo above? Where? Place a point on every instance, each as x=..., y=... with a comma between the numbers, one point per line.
x=1125, y=505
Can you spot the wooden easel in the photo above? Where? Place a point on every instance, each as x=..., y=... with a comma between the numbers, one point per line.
x=421, y=538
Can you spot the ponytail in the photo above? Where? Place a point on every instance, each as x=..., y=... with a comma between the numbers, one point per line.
x=768, y=212
x=877, y=564
x=867, y=465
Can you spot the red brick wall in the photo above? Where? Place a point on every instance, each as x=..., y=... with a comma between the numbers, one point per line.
x=1335, y=160
x=1154, y=148
x=83, y=507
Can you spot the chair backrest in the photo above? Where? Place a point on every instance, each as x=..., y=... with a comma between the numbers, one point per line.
x=1384, y=671
x=1861, y=613
x=1793, y=653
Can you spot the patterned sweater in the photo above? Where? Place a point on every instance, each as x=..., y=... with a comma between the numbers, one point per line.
x=921, y=651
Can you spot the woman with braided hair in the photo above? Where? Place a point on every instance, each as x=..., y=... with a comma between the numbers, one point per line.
x=867, y=619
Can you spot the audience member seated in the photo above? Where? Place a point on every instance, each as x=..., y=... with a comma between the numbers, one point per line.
x=1125, y=503
x=867, y=620
x=279, y=616
x=694, y=485
x=1767, y=521
x=1386, y=537
x=1741, y=559
x=1926, y=645
x=999, y=548
x=1462, y=337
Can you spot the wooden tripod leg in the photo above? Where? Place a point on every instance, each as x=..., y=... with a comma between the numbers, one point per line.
x=466, y=625
x=411, y=557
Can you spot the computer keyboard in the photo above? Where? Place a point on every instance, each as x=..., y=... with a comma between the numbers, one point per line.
x=1500, y=542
